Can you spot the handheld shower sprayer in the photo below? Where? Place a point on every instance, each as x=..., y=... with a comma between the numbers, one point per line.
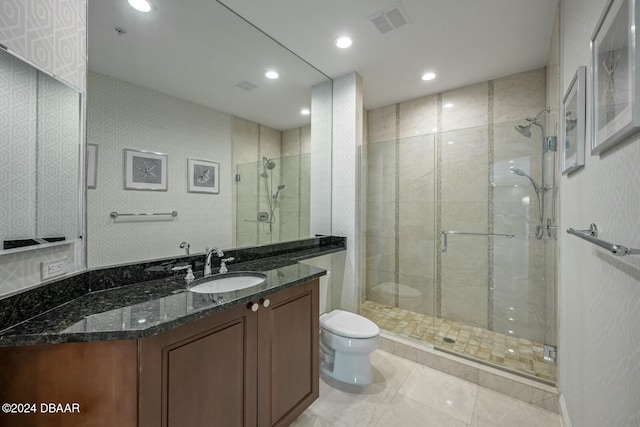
x=537, y=189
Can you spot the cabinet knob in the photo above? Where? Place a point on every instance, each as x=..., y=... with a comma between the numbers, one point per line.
x=265, y=302
x=253, y=306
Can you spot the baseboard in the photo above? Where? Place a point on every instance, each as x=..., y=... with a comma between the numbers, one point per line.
x=533, y=392
x=564, y=414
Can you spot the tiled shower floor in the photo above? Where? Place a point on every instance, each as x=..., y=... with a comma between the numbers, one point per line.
x=497, y=349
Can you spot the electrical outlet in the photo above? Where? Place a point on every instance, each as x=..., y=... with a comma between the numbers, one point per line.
x=53, y=268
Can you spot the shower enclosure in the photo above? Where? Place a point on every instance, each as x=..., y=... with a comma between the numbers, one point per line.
x=272, y=200
x=460, y=243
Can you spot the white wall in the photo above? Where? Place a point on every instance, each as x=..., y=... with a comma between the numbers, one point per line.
x=51, y=34
x=347, y=137
x=123, y=115
x=599, y=294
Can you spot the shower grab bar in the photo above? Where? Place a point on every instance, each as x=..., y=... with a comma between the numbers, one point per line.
x=445, y=236
x=115, y=215
x=591, y=235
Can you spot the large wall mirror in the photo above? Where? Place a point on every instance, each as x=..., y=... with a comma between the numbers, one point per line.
x=199, y=117
x=40, y=149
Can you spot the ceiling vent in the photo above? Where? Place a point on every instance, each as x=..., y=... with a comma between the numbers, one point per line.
x=246, y=85
x=390, y=19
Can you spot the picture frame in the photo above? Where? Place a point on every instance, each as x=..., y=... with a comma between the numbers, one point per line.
x=92, y=166
x=573, y=114
x=615, y=90
x=145, y=170
x=203, y=176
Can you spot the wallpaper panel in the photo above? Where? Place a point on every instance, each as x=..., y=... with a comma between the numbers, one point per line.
x=58, y=205
x=122, y=115
x=599, y=294
x=18, y=134
x=51, y=33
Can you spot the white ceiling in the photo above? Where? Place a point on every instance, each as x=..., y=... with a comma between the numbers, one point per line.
x=198, y=50
x=463, y=41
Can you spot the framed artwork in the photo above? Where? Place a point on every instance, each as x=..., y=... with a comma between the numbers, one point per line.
x=573, y=123
x=145, y=170
x=615, y=113
x=92, y=165
x=203, y=176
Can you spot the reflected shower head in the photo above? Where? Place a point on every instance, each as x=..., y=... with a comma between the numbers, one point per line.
x=280, y=187
x=524, y=130
x=268, y=163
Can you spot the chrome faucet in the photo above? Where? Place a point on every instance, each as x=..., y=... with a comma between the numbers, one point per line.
x=207, y=263
x=223, y=265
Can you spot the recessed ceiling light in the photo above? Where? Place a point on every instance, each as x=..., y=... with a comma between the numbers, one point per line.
x=271, y=74
x=305, y=111
x=140, y=5
x=434, y=130
x=510, y=331
x=344, y=42
x=428, y=76
x=449, y=105
x=450, y=142
x=511, y=350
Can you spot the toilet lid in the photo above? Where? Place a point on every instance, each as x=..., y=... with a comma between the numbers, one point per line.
x=349, y=325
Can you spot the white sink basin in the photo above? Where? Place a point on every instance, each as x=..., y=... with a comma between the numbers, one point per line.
x=227, y=282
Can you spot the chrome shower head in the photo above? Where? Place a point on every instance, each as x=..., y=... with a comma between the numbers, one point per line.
x=281, y=187
x=520, y=172
x=524, y=130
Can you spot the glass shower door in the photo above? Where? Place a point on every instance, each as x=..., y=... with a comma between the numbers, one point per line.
x=492, y=293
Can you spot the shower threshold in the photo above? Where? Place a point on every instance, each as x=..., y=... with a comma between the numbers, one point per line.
x=516, y=355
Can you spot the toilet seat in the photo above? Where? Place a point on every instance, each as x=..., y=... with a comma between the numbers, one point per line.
x=349, y=325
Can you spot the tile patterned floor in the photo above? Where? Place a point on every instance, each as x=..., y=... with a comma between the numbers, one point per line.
x=407, y=394
x=495, y=348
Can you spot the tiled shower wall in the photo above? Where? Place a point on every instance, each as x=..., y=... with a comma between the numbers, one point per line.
x=290, y=151
x=495, y=283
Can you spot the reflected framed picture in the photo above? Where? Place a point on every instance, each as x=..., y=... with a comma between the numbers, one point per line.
x=615, y=112
x=573, y=123
x=145, y=170
x=92, y=165
x=203, y=176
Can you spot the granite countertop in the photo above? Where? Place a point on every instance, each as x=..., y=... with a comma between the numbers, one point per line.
x=148, y=308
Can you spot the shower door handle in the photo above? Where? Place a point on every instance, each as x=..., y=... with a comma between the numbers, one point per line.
x=445, y=236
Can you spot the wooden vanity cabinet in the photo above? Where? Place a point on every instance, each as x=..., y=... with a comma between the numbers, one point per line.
x=237, y=368
x=288, y=354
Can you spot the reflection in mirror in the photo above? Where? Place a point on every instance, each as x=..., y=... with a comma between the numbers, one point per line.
x=39, y=158
x=573, y=124
x=186, y=81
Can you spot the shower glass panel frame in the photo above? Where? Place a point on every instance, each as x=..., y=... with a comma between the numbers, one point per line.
x=490, y=296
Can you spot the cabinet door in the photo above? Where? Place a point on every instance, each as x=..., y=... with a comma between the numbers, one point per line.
x=288, y=354
x=201, y=374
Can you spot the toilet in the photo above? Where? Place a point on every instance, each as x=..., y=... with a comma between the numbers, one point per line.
x=346, y=340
